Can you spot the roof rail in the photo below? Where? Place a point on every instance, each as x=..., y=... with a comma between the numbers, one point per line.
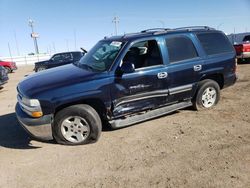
x=191, y=28
x=154, y=30
x=129, y=34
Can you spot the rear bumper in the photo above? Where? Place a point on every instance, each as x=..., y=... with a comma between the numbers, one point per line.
x=244, y=55
x=39, y=128
x=230, y=80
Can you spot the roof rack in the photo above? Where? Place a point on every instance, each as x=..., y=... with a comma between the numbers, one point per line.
x=191, y=28
x=155, y=30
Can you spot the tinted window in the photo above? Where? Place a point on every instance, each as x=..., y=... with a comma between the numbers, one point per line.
x=246, y=38
x=57, y=57
x=180, y=48
x=214, y=43
x=62, y=57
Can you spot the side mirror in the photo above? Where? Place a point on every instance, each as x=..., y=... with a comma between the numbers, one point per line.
x=127, y=67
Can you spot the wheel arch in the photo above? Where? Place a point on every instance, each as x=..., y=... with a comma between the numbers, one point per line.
x=217, y=77
x=95, y=103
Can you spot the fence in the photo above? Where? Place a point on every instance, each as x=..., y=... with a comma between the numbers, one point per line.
x=27, y=60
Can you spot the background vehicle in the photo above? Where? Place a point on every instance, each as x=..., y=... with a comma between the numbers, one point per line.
x=10, y=66
x=3, y=76
x=58, y=60
x=125, y=80
x=243, y=49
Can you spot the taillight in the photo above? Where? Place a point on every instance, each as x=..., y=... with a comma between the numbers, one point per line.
x=235, y=65
x=238, y=48
x=246, y=49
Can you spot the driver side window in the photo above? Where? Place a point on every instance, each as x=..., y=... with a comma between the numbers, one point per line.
x=144, y=54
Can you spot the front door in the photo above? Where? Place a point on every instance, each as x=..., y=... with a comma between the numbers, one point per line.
x=146, y=87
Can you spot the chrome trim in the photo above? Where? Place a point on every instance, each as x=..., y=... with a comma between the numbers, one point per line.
x=180, y=89
x=162, y=75
x=43, y=132
x=27, y=109
x=141, y=96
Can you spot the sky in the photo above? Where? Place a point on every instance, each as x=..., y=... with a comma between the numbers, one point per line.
x=65, y=25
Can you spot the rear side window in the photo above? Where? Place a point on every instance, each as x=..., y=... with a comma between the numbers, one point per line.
x=246, y=38
x=214, y=43
x=180, y=48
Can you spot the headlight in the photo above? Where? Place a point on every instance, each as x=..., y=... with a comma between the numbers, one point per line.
x=31, y=106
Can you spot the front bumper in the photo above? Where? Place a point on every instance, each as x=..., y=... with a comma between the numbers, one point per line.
x=4, y=80
x=39, y=128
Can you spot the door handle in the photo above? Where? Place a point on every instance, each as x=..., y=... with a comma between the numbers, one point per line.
x=197, y=67
x=162, y=75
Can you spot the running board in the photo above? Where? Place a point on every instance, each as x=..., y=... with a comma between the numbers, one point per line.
x=118, y=123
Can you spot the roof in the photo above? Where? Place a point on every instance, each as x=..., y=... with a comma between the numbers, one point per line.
x=158, y=31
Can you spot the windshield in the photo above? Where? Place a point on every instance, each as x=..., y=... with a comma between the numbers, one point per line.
x=101, y=56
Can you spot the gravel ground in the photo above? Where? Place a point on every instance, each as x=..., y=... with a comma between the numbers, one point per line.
x=185, y=149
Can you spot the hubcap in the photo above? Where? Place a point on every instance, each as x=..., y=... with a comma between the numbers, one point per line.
x=209, y=97
x=75, y=129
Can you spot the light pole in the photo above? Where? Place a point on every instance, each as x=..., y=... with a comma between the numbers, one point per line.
x=218, y=26
x=116, y=21
x=34, y=35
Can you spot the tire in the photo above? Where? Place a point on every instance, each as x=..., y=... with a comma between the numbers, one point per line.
x=8, y=69
x=76, y=125
x=207, y=95
x=40, y=69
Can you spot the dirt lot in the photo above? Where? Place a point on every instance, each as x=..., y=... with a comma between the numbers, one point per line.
x=184, y=149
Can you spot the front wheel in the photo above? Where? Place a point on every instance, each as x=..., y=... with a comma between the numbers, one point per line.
x=8, y=69
x=207, y=95
x=77, y=124
x=40, y=69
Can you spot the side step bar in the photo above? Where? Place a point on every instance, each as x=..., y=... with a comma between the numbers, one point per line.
x=118, y=123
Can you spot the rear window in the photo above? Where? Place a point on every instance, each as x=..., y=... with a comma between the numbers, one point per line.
x=214, y=43
x=180, y=48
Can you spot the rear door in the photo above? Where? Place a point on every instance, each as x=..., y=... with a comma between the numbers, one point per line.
x=184, y=66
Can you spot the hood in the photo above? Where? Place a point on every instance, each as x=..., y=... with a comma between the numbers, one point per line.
x=37, y=83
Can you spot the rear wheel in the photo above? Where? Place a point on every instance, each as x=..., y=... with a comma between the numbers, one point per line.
x=207, y=96
x=77, y=124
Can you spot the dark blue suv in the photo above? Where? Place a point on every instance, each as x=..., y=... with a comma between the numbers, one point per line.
x=127, y=79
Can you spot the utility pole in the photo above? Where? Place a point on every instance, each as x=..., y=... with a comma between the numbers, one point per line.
x=54, y=47
x=10, y=51
x=34, y=35
x=17, y=48
x=116, y=21
x=75, y=38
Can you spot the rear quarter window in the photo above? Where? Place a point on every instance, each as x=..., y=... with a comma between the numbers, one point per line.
x=214, y=43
